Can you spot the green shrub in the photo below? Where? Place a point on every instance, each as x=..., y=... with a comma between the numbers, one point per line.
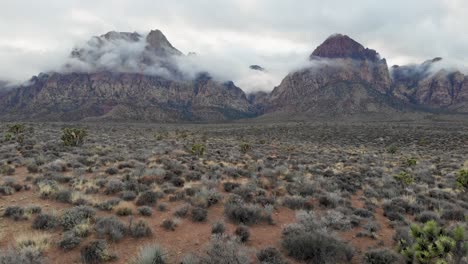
x=73, y=136
x=245, y=147
x=432, y=244
x=198, y=149
x=411, y=162
x=404, y=178
x=462, y=179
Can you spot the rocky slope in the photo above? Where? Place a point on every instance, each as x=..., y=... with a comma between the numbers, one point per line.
x=432, y=87
x=343, y=78
x=128, y=76
x=123, y=89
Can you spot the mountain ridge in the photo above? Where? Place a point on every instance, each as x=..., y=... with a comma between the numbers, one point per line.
x=144, y=82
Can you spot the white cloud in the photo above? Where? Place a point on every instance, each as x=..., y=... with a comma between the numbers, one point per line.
x=233, y=34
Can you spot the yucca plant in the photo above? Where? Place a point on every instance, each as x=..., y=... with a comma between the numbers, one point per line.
x=73, y=136
x=462, y=179
x=150, y=254
x=432, y=244
x=198, y=149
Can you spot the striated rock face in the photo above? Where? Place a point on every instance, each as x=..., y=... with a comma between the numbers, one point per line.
x=344, y=78
x=125, y=96
x=431, y=87
x=258, y=101
x=126, y=77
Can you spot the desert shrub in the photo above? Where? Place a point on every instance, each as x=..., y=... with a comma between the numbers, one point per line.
x=427, y=216
x=382, y=256
x=140, y=229
x=6, y=190
x=114, y=186
x=169, y=224
x=455, y=214
x=123, y=211
x=297, y=202
x=32, y=167
x=73, y=136
x=145, y=211
x=162, y=207
x=150, y=254
x=26, y=255
x=205, y=198
x=392, y=149
x=110, y=227
x=76, y=215
x=108, y=205
x=45, y=222
x=315, y=246
x=223, y=250
x=15, y=212
x=243, y=233
x=96, y=252
x=241, y=213
x=462, y=179
x=63, y=196
x=47, y=188
x=372, y=227
x=34, y=209
x=182, y=211
x=128, y=195
x=230, y=186
x=148, y=198
x=270, y=255
x=329, y=200
x=7, y=169
x=245, y=147
x=69, y=241
x=218, y=228
x=37, y=241
x=361, y=212
x=431, y=244
x=199, y=214
x=112, y=170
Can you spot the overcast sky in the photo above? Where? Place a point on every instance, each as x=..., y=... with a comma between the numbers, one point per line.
x=37, y=36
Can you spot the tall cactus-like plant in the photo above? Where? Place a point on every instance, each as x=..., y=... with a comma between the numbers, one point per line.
x=73, y=136
x=432, y=244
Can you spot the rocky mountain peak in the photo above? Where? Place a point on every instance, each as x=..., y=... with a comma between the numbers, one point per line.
x=158, y=43
x=341, y=46
x=127, y=36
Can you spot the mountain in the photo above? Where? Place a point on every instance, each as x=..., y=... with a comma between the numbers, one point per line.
x=125, y=76
x=430, y=86
x=342, y=78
